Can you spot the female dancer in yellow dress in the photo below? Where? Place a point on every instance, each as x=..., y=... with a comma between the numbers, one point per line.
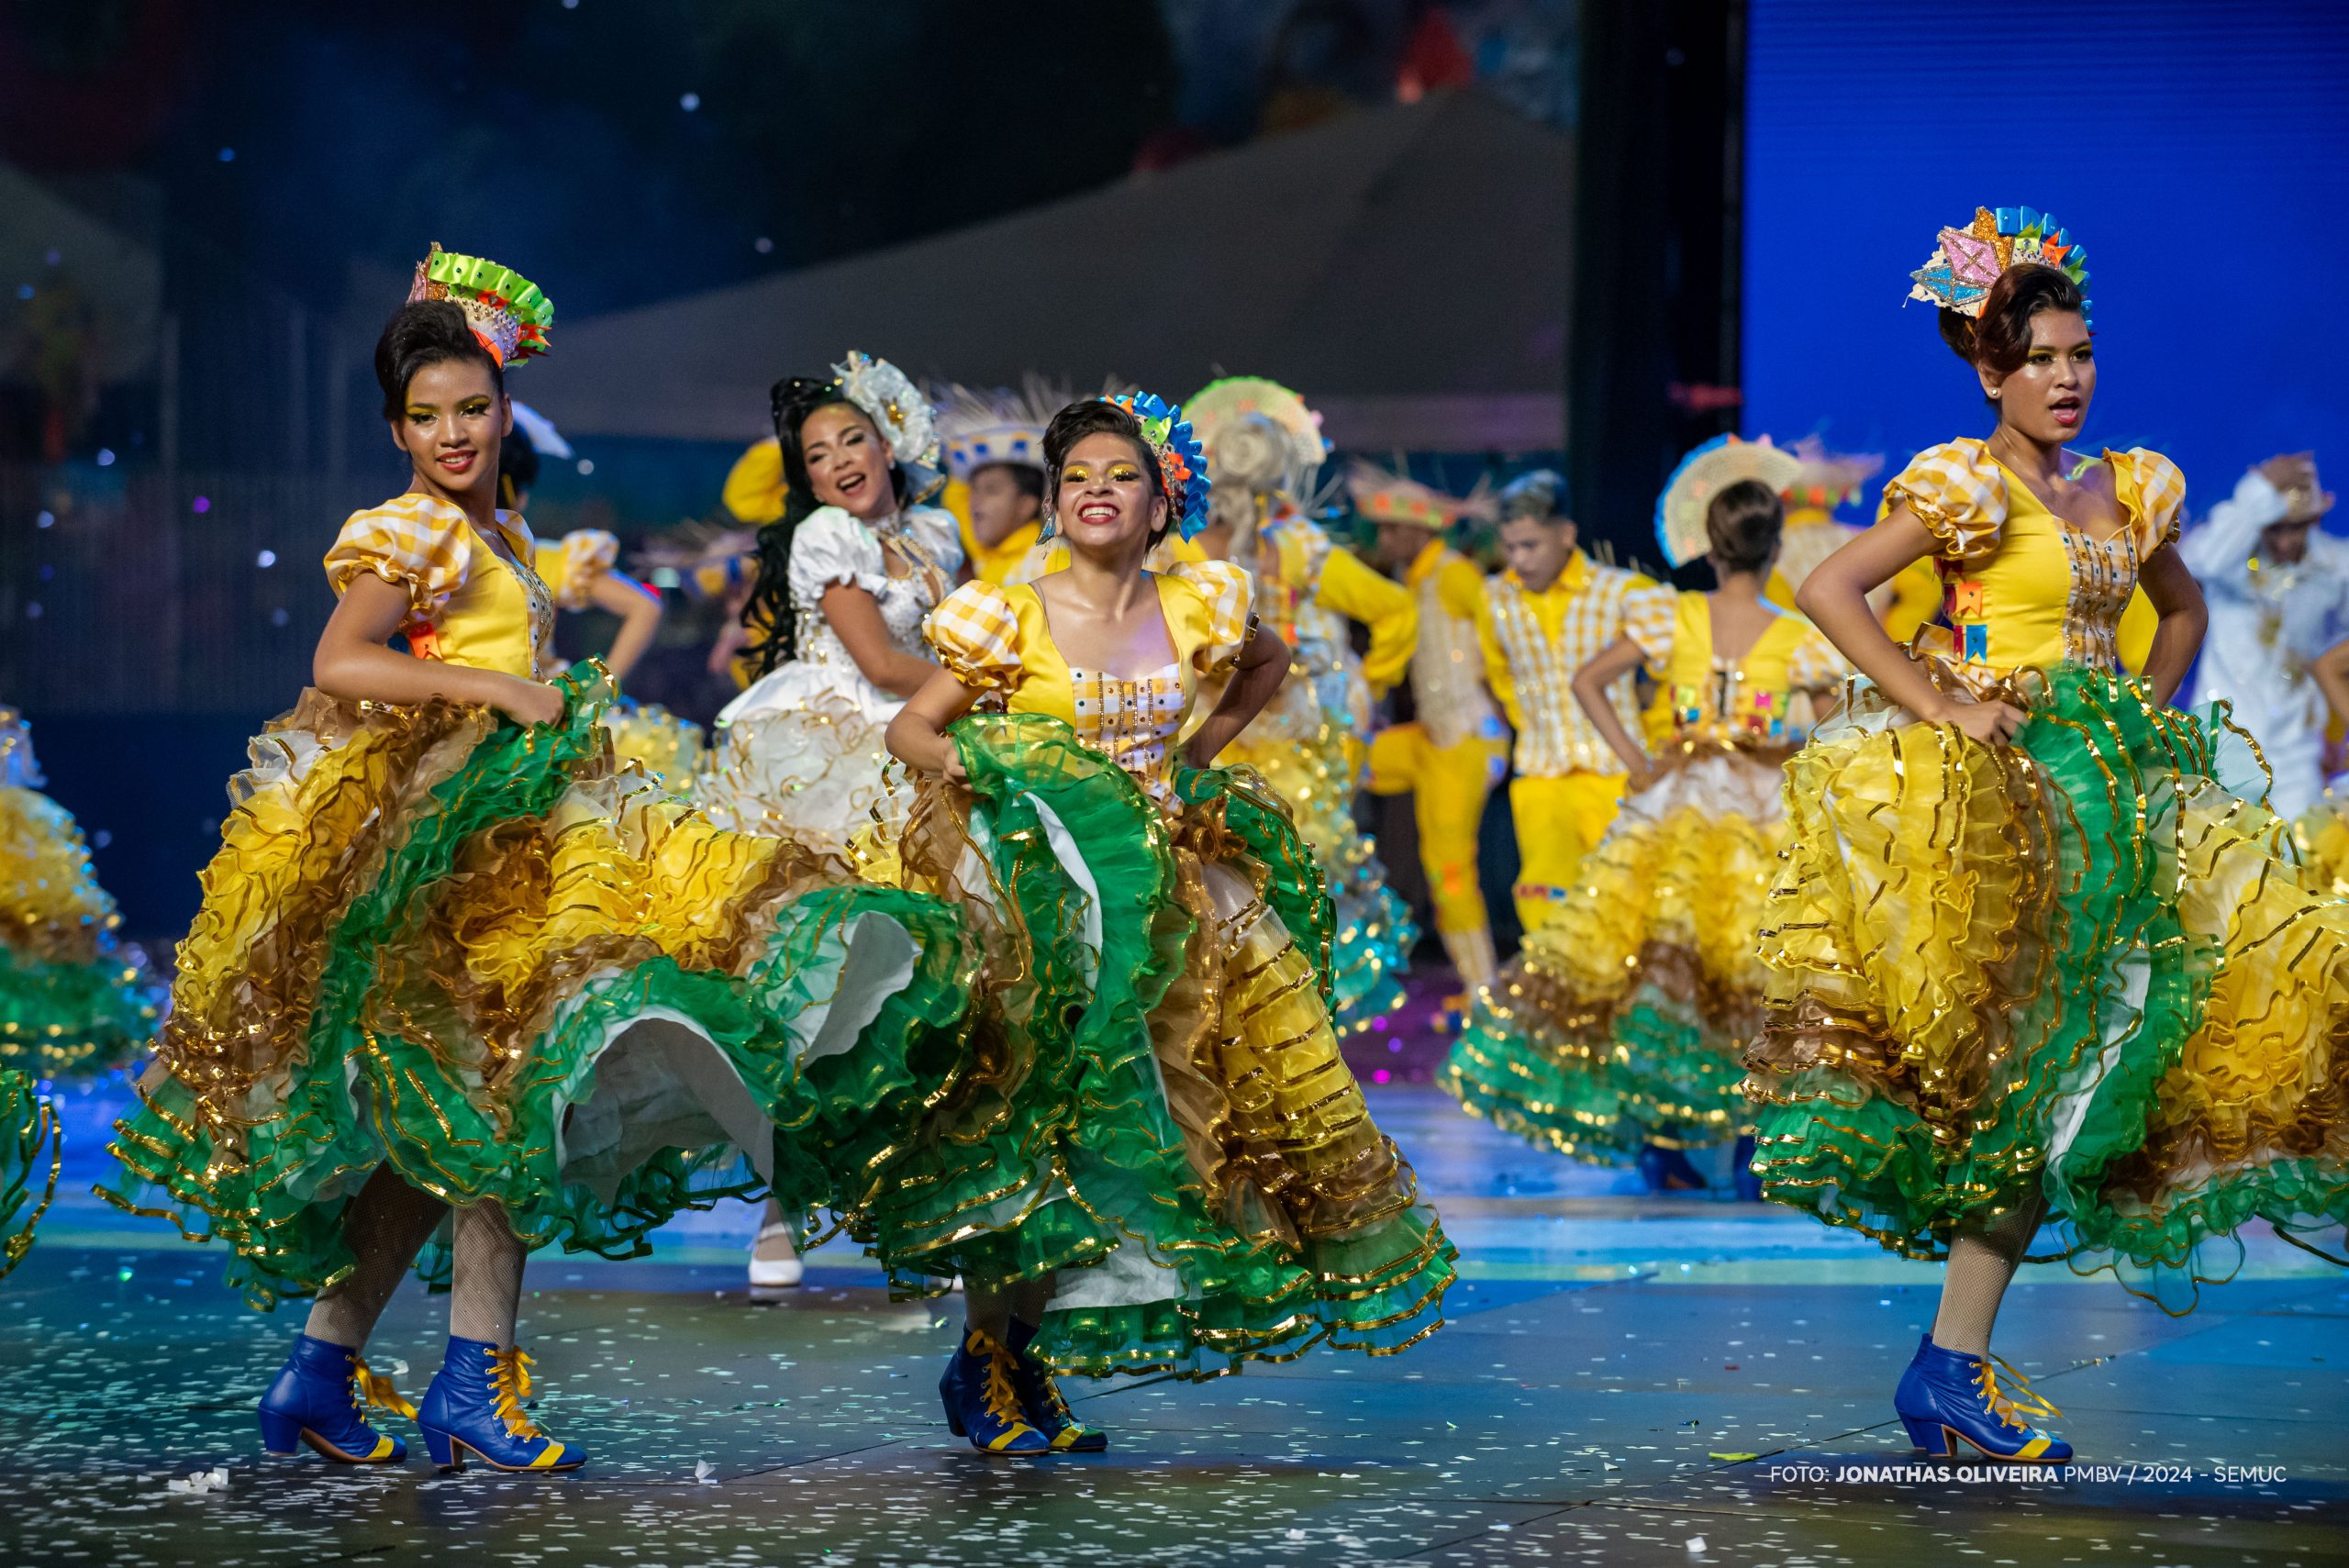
x=1177, y=932
x=1311, y=742
x=1618, y=1028
x=453, y=967
x=2030, y=958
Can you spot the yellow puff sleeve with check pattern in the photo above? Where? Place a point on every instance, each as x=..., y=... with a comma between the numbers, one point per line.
x=976, y=635
x=572, y=565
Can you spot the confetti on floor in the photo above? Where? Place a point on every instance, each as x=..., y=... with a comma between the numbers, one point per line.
x=1625, y=1379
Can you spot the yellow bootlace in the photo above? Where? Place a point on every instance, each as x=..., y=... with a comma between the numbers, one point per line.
x=1002, y=1399
x=376, y=1389
x=2014, y=1400
x=509, y=1379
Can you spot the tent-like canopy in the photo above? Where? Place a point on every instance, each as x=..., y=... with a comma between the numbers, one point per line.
x=1407, y=270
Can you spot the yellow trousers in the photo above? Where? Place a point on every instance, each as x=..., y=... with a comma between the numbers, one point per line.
x=1447, y=785
x=1559, y=820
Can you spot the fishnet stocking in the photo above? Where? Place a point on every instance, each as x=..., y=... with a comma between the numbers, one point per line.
x=486, y=1276
x=384, y=1226
x=1981, y=1264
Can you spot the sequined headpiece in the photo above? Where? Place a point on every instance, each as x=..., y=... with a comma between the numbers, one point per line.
x=505, y=310
x=1182, y=463
x=1705, y=473
x=1958, y=275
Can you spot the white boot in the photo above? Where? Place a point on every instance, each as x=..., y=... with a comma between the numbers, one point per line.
x=773, y=1272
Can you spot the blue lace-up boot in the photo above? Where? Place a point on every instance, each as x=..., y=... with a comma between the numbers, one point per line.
x=1041, y=1401
x=981, y=1399
x=473, y=1410
x=1946, y=1396
x=317, y=1399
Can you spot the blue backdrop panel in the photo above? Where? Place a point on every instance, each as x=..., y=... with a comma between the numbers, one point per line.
x=2201, y=152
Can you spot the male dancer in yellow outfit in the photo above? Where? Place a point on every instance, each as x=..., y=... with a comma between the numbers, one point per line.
x=994, y=442
x=1450, y=756
x=1538, y=622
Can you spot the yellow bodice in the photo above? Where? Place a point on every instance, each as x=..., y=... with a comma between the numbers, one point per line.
x=2021, y=587
x=467, y=604
x=1000, y=639
x=1744, y=700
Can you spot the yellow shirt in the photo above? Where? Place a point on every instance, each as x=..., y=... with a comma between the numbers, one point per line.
x=1448, y=667
x=1534, y=643
x=466, y=604
x=1000, y=640
x=1743, y=700
x=2022, y=587
x=1312, y=586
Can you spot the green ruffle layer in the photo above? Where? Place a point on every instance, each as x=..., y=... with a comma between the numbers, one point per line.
x=72, y=1020
x=1663, y=1083
x=2122, y=989
x=32, y=1146
x=1228, y=1299
x=850, y=1124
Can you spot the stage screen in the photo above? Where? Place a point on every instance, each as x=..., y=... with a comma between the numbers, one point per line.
x=2200, y=152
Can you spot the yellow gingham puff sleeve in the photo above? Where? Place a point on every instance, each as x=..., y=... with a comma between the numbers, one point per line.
x=580, y=559
x=410, y=542
x=975, y=634
x=1816, y=664
x=1958, y=493
x=1230, y=593
x=1651, y=617
x=2152, y=492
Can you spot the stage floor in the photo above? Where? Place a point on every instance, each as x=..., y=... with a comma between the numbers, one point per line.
x=1625, y=1379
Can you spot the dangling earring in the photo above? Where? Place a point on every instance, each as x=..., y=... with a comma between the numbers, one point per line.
x=1050, y=527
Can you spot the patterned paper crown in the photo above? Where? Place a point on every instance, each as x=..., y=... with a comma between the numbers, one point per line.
x=897, y=408
x=981, y=427
x=1958, y=275
x=1705, y=473
x=1383, y=496
x=1830, y=480
x=505, y=310
x=1182, y=463
x=1222, y=405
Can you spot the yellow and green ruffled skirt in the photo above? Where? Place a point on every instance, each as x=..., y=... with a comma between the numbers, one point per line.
x=483, y=954
x=1176, y=991
x=1623, y=1023
x=2077, y=968
x=1305, y=759
x=71, y=1004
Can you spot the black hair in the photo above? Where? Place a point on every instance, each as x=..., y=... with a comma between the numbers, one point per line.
x=1027, y=475
x=1098, y=417
x=517, y=466
x=1742, y=524
x=428, y=332
x=1999, y=338
x=1538, y=496
x=768, y=611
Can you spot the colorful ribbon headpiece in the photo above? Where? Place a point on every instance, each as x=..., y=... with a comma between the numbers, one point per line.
x=1958, y=275
x=1705, y=473
x=505, y=310
x=1182, y=463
